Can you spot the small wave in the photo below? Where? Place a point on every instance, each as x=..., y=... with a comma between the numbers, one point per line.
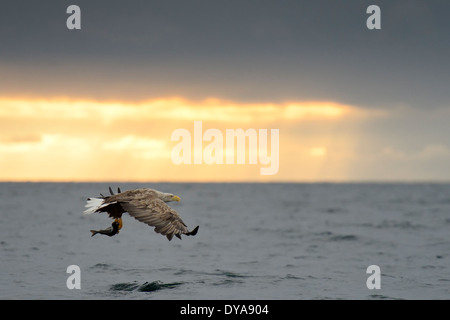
x=124, y=287
x=229, y=274
x=382, y=297
x=102, y=266
x=388, y=224
x=146, y=287
x=227, y=282
x=334, y=210
x=292, y=277
x=330, y=236
x=157, y=285
x=346, y=237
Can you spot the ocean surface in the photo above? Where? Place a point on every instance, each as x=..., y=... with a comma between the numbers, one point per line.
x=256, y=241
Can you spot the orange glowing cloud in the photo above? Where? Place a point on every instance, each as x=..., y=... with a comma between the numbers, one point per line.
x=171, y=108
x=77, y=140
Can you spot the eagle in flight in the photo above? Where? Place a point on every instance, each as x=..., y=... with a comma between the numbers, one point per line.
x=144, y=204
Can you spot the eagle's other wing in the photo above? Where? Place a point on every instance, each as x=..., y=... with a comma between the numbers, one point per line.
x=158, y=214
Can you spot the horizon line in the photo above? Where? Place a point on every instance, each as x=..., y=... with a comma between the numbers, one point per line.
x=237, y=182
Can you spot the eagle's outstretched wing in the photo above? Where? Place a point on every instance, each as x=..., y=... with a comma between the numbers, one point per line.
x=158, y=214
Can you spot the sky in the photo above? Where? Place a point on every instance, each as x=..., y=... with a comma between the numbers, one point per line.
x=101, y=103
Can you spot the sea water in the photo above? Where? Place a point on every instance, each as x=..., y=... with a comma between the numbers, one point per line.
x=256, y=241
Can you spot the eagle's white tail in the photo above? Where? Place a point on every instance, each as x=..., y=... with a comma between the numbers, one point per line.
x=93, y=204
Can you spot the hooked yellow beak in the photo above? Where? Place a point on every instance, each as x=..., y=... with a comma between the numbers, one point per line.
x=176, y=198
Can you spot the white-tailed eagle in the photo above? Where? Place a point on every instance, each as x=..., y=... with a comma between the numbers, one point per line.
x=146, y=205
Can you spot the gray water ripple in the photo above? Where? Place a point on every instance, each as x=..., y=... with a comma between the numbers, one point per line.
x=145, y=287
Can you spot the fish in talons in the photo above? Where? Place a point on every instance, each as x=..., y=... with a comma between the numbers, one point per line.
x=111, y=231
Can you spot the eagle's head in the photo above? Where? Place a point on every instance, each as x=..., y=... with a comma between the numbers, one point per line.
x=167, y=197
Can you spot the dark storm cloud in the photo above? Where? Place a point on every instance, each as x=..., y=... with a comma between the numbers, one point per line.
x=247, y=50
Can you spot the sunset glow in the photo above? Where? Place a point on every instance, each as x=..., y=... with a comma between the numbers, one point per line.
x=169, y=108
x=77, y=140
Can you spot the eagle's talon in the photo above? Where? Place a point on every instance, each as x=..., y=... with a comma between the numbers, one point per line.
x=119, y=221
